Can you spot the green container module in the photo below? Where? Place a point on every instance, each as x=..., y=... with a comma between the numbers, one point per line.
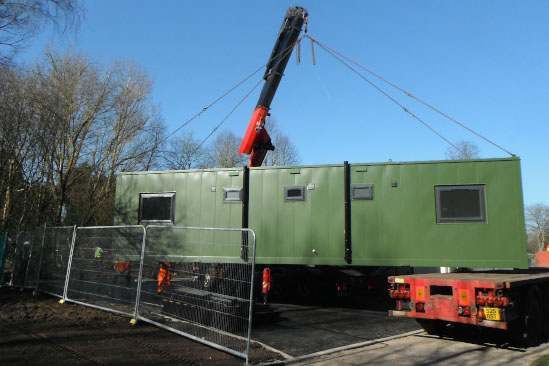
x=462, y=213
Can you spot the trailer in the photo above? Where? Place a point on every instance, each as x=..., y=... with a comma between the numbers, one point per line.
x=514, y=301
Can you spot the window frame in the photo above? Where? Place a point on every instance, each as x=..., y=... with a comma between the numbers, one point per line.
x=480, y=188
x=302, y=197
x=143, y=195
x=232, y=200
x=354, y=196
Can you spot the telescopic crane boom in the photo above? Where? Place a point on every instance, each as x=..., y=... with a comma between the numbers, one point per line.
x=256, y=140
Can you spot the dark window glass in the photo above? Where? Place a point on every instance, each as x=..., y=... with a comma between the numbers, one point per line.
x=157, y=208
x=294, y=193
x=232, y=194
x=362, y=191
x=460, y=203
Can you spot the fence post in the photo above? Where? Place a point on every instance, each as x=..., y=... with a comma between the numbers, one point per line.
x=250, y=311
x=69, y=266
x=15, y=261
x=26, y=278
x=139, y=277
x=40, y=261
x=3, y=255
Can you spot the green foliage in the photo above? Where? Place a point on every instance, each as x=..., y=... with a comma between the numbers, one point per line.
x=542, y=361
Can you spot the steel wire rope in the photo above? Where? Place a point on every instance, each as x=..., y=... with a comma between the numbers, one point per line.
x=226, y=117
x=385, y=94
x=407, y=93
x=198, y=114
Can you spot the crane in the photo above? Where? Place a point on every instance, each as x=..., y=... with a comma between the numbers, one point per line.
x=257, y=141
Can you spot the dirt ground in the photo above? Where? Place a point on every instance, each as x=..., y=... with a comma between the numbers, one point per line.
x=38, y=330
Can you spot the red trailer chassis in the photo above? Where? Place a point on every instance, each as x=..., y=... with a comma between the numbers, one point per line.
x=517, y=302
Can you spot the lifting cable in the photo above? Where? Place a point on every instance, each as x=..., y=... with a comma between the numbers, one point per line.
x=283, y=53
x=226, y=117
x=339, y=56
x=198, y=114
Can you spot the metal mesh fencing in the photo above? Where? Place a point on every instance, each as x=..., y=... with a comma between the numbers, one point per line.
x=3, y=255
x=195, y=283
x=55, y=259
x=28, y=252
x=10, y=259
x=104, y=267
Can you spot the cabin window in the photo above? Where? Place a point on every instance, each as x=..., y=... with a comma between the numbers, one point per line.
x=362, y=191
x=464, y=203
x=294, y=193
x=232, y=195
x=157, y=208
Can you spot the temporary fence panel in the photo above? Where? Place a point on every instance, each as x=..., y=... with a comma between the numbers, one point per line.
x=3, y=255
x=17, y=263
x=55, y=259
x=28, y=248
x=10, y=258
x=187, y=290
x=104, y=267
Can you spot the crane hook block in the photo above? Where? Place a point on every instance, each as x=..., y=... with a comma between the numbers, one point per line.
x=254, y=137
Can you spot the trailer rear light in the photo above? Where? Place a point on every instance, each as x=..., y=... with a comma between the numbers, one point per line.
x=498, y=302
x=490, y=301
x=341, y=288
x=464, y=311
x=480, y=314
x=401, y=293
x=420, y=307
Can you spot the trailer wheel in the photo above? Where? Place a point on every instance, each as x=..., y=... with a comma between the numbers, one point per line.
x=529, y=330
x=546, y=312
x=534, y=317
x=431, y=326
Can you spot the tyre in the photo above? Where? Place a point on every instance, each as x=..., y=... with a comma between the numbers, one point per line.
x=546, y=312
x=529, y=330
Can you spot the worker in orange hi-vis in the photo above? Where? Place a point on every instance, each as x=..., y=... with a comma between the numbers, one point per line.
x=266, y=284
x=122, y=278
x=164, y=276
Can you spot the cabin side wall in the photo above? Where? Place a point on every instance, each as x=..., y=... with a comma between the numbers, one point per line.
x=298, y=213
x=398, y=225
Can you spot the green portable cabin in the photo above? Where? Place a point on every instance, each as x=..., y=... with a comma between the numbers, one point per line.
x=194, y=198
x=438, y=213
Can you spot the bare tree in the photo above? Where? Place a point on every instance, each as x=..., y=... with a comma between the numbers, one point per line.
x=537, y=221
x=127, y=136
x=19, y=158
x=22, y=19
x=465, y=150
x=223, y=151
x=67, y=127
x=285, y=152
x=184, y=152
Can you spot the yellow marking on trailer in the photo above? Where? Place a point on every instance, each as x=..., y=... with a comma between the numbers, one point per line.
x=420, y=293
x=463, y=297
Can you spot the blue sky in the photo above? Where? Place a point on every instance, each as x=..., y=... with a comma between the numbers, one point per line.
x=485, y=63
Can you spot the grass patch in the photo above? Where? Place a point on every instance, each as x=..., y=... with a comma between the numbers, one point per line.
x=542, y=361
